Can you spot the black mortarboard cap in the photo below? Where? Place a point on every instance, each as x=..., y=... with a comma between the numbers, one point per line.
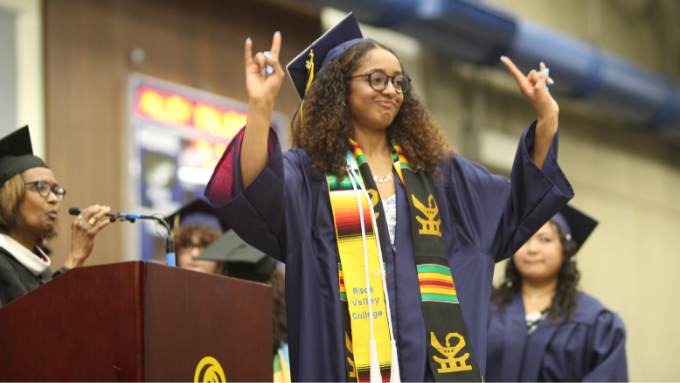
x=197, y=212
x=576, y=223
x=242, y=260
x=326, y=48
x=16, y=155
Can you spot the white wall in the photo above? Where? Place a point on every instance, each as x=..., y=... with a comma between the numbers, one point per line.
x=30, y=72
x=8, y=64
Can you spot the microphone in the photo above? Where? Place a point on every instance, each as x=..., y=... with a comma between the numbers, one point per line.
x=170, y=257
x=113, y=217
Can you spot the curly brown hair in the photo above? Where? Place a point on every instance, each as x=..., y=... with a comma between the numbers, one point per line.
x=327, y=120
x=207, y=235
x=564, y=302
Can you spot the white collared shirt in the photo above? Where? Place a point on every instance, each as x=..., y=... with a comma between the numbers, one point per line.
x=35, y=263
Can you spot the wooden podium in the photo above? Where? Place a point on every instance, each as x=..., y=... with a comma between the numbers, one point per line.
x=138, y=321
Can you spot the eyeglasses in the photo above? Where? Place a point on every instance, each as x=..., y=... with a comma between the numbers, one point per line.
x=189, y=247
x=44, y=189
x=378, y=81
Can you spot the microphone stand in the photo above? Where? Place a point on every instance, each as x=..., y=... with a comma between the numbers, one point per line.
x=170, y=257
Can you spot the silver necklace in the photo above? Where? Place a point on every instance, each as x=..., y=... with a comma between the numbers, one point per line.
x=536, y=296
x=382, y=180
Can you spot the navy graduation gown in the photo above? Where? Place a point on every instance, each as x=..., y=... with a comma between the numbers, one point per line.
x=591, y=348
x=285, y=212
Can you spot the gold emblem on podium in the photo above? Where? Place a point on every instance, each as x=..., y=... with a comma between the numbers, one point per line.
x=209, y=370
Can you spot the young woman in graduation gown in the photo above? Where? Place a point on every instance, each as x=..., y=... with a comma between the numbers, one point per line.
x=30, y=197
x=364, y=304
x=541, y=328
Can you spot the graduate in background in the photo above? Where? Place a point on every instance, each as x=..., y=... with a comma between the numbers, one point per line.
x=541, y=329
x=30, y=197
x=374, y=230
x=202, y=246
x=195, y=226
x=243, y=261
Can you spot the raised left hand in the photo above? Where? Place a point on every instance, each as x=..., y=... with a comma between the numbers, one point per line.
x=84, y=230
x=534, y=87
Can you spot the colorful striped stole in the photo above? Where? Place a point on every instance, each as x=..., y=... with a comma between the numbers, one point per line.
x=436, y=284
x=354, y=293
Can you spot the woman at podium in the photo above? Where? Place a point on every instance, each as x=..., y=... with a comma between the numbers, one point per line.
x=375, y=217
x=30, y=197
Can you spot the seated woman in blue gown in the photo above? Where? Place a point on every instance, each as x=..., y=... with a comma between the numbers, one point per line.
x=242, y=261
x=389, y=238
x=195, y=226
x=541, y=328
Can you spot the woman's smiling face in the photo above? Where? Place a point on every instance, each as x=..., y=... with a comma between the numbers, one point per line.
x=541, y=257
x=370, y=108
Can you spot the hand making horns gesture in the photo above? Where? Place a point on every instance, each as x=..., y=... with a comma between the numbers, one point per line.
x=264, y=76
x=534, y=87
x=264, y=73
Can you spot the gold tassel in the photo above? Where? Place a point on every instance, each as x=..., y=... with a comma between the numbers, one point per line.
x=310, y=70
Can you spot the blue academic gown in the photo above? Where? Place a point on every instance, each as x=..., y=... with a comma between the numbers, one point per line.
x=285, y=212
x=591, y=348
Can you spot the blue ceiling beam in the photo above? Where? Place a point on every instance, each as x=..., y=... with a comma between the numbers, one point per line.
x=478, y=33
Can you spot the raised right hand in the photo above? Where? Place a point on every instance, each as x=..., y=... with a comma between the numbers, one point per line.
x=262, y=89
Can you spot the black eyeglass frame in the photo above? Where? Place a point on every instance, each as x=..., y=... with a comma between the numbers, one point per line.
x=58, y=191
x=388, y=77
x=191, y=247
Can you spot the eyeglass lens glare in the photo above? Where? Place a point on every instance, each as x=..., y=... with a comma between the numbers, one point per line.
x=44, y=190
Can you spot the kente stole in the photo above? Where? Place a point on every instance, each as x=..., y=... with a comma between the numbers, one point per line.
x=450, y=353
